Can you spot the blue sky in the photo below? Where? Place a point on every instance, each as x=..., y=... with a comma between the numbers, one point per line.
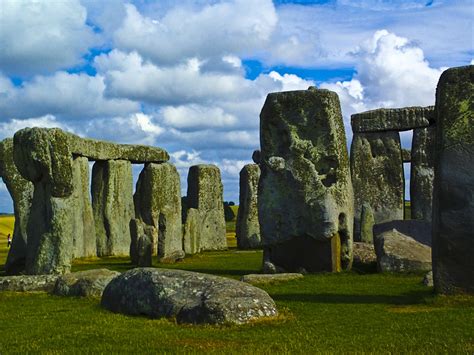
x=191, y=76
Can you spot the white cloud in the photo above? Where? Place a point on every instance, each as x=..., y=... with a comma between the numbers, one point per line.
x=232, y=27
x=197, y=117
x=42, y=36
x=9, y=127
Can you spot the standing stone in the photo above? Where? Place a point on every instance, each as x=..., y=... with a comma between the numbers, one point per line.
x=453, y=198
x=366, y=224
x=141, y=246
x=192, y=232
x=112, y=203
x=205, y=194
x=248, y=228
x=21, y=191
x=305, y=199
x=158, y=204
x=377, y=177
x=84, y=238
x=422, y=173
x=43, y=157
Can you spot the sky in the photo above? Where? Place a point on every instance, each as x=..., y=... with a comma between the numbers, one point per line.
x=192, y=76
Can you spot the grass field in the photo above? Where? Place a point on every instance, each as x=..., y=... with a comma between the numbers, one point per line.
x=357, y=311
x=6, y=227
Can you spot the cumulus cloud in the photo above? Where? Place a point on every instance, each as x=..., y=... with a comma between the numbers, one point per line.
x=8, y=128
x=42, y=36
x=183, y=32
x=197, y=117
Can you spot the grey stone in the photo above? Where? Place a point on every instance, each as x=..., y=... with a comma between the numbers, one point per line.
x=422, y=173
x=305, y=198
x=428, y=279
x=141, y=246
x=112, y=204
x=256, y=156
x=397, y=252
x=416, y=229
x=406, y=154
x=158, y=204
x=205, y=194
x=247, y=226
x=364, y=253
x=392, y=119
x=28, y=283
x=89, y=283
x=366, y=224
x=21, y=191
x=190, y=297
x=256, y=279
x=453, y=197
x=192, y=233
x=377, y=177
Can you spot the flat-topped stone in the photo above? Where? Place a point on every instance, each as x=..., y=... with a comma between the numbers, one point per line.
x=392, y=119
x=270, y=278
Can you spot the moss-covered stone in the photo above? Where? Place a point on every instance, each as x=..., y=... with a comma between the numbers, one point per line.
x=392, y=119
x=453, y=197
x=366, y=224
x=158, y=204
x=21, y=192
x=406, y=154
x=248, y=227
x=305, y=193
x=205, y=194
x=422, y=173
x=192, y=234
x=112, y=204
x=377, y=177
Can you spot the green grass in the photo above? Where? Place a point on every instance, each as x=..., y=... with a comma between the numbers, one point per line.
x=358, y=311
x=6, y=227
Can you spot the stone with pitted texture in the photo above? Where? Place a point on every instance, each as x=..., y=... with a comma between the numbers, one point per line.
x=28, y=283
x=392, y=119
x=205, y=195
x=190, y=297
x=256, y=279
x=305, y=199
x=158, y=204
x=422, y=173
x=453, y=193
x=21, y=192
x=112, y=203
x=247, y=226
x=377, y=177
x=89, y=283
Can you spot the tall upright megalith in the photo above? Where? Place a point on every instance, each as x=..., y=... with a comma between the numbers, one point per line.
x=205, y=195
x=305, y=199
x=112, y=204
x=377, y=177
x=21, y=191
x=158, y=205
x=247, y=226
x=453, y=198
x=422, y=173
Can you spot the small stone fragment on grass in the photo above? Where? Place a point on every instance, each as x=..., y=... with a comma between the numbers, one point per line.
x=89, y=283
x=28, y=283
x=270, y=278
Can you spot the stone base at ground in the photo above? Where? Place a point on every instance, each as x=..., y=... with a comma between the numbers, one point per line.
x=397, y=252
x=363, y=253
x=28, y=283
x=270, y=278
x=89, y=283
x=428, y=279
x=189, y=296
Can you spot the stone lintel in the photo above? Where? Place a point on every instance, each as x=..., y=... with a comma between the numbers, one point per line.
x=392, y=119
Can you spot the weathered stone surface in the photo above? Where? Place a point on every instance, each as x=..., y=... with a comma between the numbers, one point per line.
x=205, y=195
x=247, y=226
x=256, y=279
x=112, y=204
x=28, y=283
x=366, y=224
x=256, y=156
x=377, y=177
x=422, y=173
x=190, y=297
x=192, y=233
x=158, y=204
x=84, y=239
x=364, y=253
x=453, y=198
x=21, y=191
x=141, y=246
x=305, y=198
x=416, y=229
x=89, y=283
x=397, y=252
x=428, y=279
x=392, y=119
x=406, y=155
